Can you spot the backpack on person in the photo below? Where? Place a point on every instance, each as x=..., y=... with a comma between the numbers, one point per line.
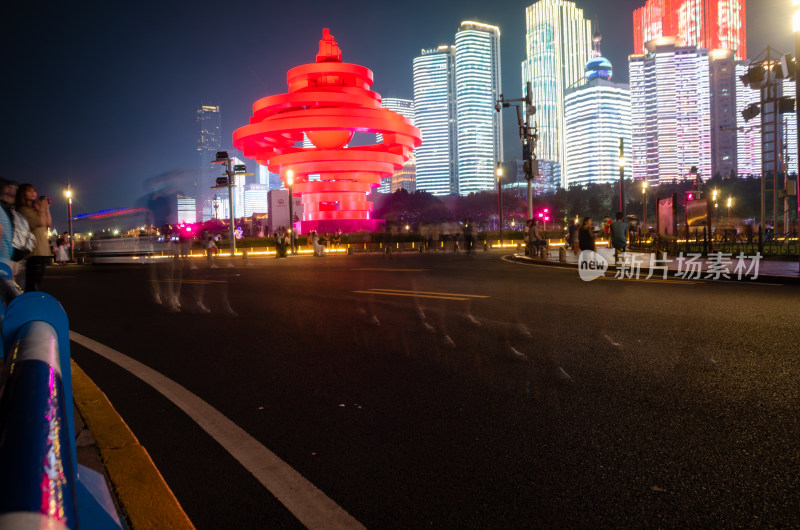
x=23, y=242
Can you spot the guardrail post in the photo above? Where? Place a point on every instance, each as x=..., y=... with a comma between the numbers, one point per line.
x=33, y=314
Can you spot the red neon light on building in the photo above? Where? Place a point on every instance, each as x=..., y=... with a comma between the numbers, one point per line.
x=328, y=101
x=711, y=24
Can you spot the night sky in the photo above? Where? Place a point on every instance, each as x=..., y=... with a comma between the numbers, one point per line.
x=104, y=95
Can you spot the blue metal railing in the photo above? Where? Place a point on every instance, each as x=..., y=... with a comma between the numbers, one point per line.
x=38, y=458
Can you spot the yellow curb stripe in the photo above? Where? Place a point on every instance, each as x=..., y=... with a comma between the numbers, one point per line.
x=143, y=495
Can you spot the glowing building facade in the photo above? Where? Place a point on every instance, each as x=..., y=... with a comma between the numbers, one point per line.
x=749, y=138
x=477, y=81
x=596, y=115
x=670, y=112
x=434, y=113
x=722, y=87
x=710, y=24
x=209, y=141
x=558, y=43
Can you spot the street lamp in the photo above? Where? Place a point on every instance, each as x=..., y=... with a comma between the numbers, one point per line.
x=730, y=203
x=68, y=195
x=500, y=201
x=714, y=198
x=644, y=202
x=290, y=183
x=621, y=178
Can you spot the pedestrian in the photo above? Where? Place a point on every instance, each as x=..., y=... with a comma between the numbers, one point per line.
x=535, y=238
x=7, y=189
x=619, y=235
x=526, y=236
x=337, y=238
x=319, y=250
x=572, y=236
x=210, y=246
x=586, y=235
x=62, y=254
x=36, y=210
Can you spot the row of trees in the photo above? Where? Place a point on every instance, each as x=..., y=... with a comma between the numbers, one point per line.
x=594, y=200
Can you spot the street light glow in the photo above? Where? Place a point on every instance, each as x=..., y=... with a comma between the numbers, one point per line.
x=621, y=161
x=289, y=177
x=499, y=172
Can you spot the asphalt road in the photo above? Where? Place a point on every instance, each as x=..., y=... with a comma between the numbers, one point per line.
x=440, y=391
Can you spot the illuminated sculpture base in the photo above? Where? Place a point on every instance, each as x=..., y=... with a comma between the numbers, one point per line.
x=348, y=226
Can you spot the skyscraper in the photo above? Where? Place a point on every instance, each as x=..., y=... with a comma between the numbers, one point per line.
x=748, y=139
x=710, y=24
x=434, y=111
x=209, y=141
x=405, y=176
x=477, y=78
x=596, y=115
x=455, y=91
x=670, y=111
x=404, y=107
x=558, y=45
x=255, y=199
x=722, y=86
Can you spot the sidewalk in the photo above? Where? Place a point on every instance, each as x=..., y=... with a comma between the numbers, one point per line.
x=769, y=270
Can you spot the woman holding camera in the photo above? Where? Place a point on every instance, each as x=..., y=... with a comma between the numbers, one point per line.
x=35, y=210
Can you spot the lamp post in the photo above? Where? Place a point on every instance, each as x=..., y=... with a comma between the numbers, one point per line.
x=644, y=202
x=714, y=198
x=223, y=158
x=500, y=201
x=730, y=202
x=68, y=195
x=290, y=183
x=796, y=29
x=621, y=178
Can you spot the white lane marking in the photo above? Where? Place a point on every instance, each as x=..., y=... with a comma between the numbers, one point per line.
x=310, y=505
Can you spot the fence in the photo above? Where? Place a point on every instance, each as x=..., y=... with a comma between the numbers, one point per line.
x=39, y=473
x=722, y=240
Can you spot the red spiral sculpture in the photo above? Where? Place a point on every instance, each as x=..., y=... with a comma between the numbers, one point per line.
x=328, y=101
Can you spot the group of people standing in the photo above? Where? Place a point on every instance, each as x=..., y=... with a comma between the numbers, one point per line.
x=581, y=236
x=23, y=203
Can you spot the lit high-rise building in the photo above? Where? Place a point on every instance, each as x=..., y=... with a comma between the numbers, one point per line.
x=722, y=86
x=404, y=177
x=404, y=107
x=187, y=209
x=596, y=115
x=558, y=45
x=748, y=139
x=209, y=141
x=710, y=24
x=670, y=112
x=434, y=111
x=255, y=199
x=477, y=76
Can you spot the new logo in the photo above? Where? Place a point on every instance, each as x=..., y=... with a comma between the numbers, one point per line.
x=591, y=265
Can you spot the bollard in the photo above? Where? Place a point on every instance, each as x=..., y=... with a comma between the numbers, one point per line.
x=485, y=246
x=543, y=252
x=349, y=250
x=562, y=255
